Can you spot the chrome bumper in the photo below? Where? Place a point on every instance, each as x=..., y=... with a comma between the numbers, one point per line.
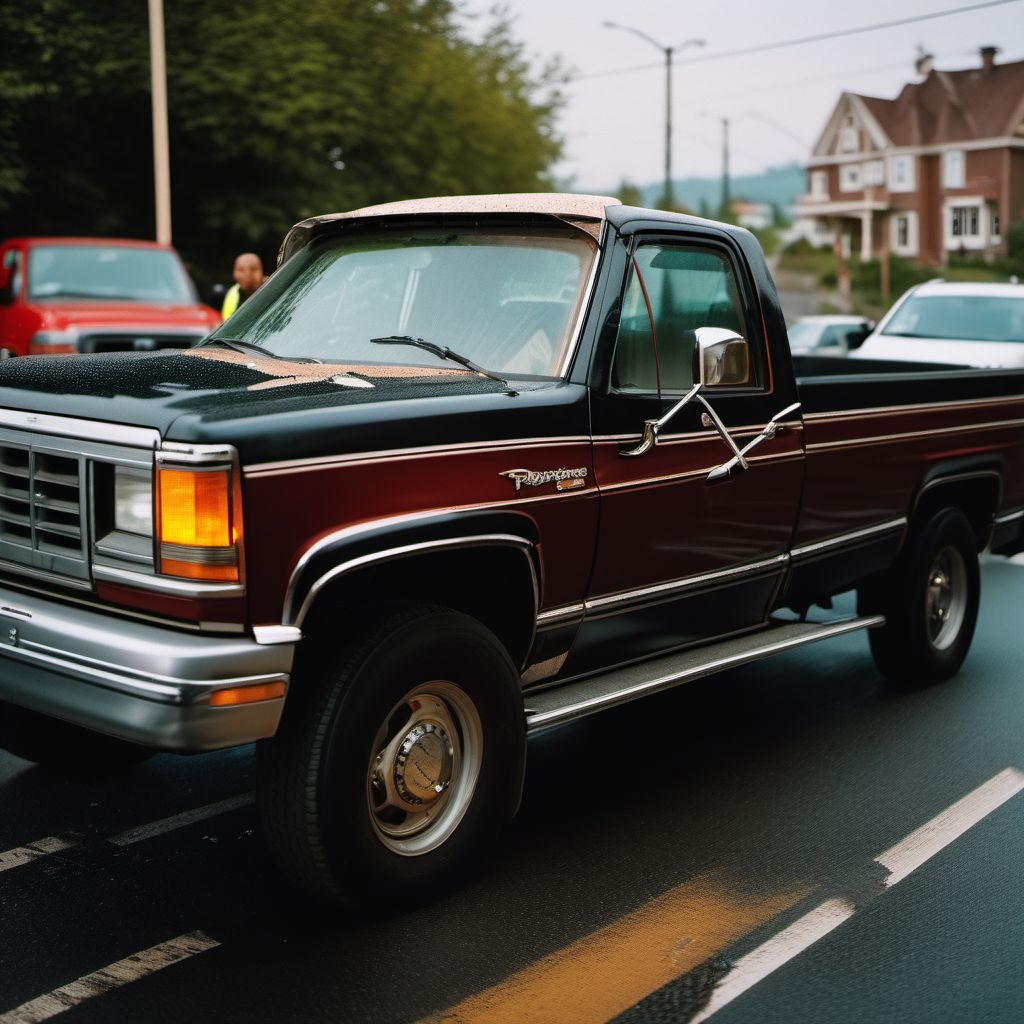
x=137, y=681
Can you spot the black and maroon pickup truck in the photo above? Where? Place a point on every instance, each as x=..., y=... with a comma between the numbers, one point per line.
x=463, y=470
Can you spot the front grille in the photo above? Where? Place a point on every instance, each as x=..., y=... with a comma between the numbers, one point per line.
x=42, y=509
x=135, y=341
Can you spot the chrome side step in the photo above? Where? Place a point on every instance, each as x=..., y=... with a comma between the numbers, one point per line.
x=596, y=693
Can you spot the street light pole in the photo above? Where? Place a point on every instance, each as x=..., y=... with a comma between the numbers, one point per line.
x=161, y=143
x=669, y=51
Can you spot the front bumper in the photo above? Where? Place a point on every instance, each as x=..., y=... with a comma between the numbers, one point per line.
x=140, y=682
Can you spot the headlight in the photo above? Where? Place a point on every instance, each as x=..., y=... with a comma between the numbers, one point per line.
x=52, y=343
x=133, y=501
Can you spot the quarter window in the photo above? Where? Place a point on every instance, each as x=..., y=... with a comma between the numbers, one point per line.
x=687, y=288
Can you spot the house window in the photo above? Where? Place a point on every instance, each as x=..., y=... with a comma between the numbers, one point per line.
x=874, y=173
x=850, y=178
x=848, y=139
x=901, y=174
x=965, y=222
x=819, y=184
x=995, y=223
x=904, y=233
x=953, y=169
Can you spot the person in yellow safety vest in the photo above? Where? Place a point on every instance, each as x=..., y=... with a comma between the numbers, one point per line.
x=248, y=276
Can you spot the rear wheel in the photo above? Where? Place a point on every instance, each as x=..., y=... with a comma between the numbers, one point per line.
x=930, y=601
x=62, y=746
x=396, y=761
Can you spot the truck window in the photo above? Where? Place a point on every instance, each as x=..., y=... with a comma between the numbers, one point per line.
x=688, y=288
x=12, y=264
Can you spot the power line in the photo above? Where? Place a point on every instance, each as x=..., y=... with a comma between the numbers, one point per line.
x=782, y=43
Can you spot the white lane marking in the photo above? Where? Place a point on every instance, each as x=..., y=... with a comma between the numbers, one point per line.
x=33, y=851
x=132, y=968
x=930, y=838
x=778, y=950
x=903, y=858
x=156, y=828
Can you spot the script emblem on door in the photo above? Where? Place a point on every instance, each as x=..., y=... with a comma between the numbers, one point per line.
x=563, y=479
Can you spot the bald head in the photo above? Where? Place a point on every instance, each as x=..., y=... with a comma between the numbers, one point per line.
x=248, y=272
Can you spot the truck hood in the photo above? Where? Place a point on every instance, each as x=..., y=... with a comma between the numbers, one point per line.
x=218, y=396
x=90, y=314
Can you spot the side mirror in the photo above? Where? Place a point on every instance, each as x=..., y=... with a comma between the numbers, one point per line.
x=723, y=358
x=857, y=337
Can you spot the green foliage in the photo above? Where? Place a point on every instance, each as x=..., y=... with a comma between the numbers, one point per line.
x=629, y=194
x=277, y=111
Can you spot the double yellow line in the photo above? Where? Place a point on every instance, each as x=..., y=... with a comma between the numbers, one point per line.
x=599, y=976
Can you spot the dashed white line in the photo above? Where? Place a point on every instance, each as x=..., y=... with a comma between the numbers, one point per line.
x=910, y=853
x=903, y=858
x=34, y=851
x=156, y=828
x=132, y=968
x=778, y=950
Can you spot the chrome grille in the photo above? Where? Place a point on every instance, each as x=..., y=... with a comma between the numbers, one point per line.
x=42, y=509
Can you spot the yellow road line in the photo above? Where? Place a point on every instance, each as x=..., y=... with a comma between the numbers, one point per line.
x=599, y=976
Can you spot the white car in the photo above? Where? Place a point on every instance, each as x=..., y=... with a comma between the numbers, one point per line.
x=944, y=322
x=832, y=335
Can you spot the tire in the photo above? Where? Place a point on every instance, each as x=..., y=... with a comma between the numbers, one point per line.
x=930, y=601
x=396, y=762
x=64, y=747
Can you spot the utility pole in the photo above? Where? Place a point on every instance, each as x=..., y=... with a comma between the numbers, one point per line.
x=668, y=198
x=723, y=210
x=161, y=143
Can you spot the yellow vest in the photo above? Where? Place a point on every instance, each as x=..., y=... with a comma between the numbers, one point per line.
x=230, y=301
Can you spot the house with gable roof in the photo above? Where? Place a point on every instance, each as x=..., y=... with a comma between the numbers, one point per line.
x=938, y=170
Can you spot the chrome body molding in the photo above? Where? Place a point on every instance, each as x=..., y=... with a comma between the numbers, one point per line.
x=562, y=614
x=1009, y=517
x=296, y=618
x=139, y=682
x=668, y=590
x=853, y=537
x=857, y=442
x=277, y=634
x=889, y=410
x=166, y=584
x=195, y=454
x=69, y=426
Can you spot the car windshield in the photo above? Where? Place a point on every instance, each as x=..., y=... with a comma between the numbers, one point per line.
x=804, y=334
x=959, y=318
x=118, y=272
x=504, y=299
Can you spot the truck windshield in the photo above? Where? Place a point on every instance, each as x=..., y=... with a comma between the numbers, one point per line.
x=959, y=318
x=111, y=272
x=504, y=299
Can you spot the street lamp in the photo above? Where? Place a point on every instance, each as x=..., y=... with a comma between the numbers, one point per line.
x=668, y=51
x=161, y=146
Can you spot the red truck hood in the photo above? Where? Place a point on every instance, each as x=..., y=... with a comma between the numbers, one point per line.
x=57, y=316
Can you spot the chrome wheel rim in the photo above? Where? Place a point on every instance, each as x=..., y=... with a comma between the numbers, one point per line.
x=946, y=597
x=424, y=768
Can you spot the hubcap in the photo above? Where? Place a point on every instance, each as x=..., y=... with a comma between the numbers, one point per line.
x=424, y=768
x=946, y=597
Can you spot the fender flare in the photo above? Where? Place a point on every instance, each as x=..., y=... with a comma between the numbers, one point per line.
x=351, y=548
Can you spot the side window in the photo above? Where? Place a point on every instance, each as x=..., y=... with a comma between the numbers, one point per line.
x=12, y=264
x=687, y=288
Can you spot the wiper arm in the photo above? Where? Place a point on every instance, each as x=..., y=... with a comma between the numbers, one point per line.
x=248, y=346
x=441, y=351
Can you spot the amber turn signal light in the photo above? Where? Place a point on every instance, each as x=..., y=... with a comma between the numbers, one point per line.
x=247, y=694
x=197, y=531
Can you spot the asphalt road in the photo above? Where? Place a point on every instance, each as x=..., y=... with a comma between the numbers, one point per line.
x=743, y=831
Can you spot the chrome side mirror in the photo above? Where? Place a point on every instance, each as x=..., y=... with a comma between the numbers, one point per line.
x=721, y=359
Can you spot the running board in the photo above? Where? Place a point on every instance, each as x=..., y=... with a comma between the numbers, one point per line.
x=596, y=693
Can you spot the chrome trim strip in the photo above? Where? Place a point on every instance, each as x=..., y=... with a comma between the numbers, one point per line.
x=167, y=585
x=848, y=538
x=694, y=435
x=70, y=426
x=935, y=432
x=571, y=712
x=16, y=569
x=687, y=583
x=1009, y=517
x=325, y=462
x=390, y=554
x=888, y=410
x=585, y=301
x=277, y=634
x=694, y=473
x=195, y=454
x=563, y=613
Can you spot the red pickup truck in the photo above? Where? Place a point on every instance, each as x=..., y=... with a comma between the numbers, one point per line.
x=61, y=295
x=461, y=471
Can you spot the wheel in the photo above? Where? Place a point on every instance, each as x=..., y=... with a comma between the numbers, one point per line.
x=396, y=764
x=930, y=601
x=62, y=746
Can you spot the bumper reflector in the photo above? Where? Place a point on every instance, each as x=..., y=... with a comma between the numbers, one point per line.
x=247, y=694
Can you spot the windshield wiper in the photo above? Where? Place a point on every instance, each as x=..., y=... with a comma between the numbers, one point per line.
x=441, y=351
x=248, y=346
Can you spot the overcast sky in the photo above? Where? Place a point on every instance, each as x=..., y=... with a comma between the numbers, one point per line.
x=613, y=124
